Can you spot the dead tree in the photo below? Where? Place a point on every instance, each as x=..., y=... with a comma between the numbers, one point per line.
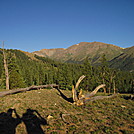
x=80, y=99
x=5, y=67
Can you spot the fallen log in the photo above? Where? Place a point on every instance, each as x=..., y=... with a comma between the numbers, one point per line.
x=14, y=91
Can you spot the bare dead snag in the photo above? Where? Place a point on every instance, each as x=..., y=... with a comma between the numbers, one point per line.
x=95, y=91
x=80, y=94
x=6, y=68
x=80, y=99
x=114, y=87
x=75, y=98
x=79, y=81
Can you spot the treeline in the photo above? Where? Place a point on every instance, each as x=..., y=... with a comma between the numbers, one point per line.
x=25, y=71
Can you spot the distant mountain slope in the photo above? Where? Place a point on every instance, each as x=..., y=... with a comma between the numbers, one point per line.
x=48, y=52
x=78, y=52
x=125, y=61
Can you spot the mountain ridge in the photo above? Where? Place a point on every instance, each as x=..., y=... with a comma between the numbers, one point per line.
x=78, y=52
x=44, y=51
x=124, y=61
x=93, y=51
x=117, y=57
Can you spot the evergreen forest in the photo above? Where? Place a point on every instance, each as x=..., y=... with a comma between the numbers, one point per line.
x=25, y=71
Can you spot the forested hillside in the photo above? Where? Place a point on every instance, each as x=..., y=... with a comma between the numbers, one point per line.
x=26, y=70
x=124, y=61
x=118, y=57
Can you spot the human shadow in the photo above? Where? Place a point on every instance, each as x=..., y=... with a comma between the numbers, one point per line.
x=8, y=123
x=33, y=121
x=65, y=97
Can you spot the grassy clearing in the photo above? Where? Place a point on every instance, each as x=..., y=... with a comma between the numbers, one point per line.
x=105, y=116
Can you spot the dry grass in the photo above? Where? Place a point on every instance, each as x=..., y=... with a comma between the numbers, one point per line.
x=105, y=116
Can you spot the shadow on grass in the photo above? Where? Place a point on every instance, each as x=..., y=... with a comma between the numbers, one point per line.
x=65, y=98
x=32, y=120
x=128, y=97
x=8, y=123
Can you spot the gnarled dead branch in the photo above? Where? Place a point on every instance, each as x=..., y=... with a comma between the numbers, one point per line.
x=79, y=81
x=75, y=98
x=95, y=91
x=81, y=99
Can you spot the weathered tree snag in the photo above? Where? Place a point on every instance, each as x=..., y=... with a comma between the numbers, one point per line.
x=95, y=91
x=13, y=91
x=81, y=99
x=114, y=87
x=75, y=98
x=6, y=68
x=78, y=82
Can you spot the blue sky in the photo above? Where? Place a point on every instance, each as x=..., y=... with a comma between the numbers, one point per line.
x=32, y=25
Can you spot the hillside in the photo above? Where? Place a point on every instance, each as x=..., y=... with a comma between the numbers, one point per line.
x=45, y=111
x=118, y=58
x=78, y=52
x=27, y=69
x=48, y=52
x=124, y=61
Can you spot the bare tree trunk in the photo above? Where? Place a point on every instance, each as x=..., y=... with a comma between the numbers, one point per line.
x=109, y=90
x=114, y=87
x=6, y=68
x=104, y=88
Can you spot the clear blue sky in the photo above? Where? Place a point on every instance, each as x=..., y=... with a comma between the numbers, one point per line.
x=32, y=25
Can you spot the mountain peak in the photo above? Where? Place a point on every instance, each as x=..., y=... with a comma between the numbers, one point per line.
x=78, y=52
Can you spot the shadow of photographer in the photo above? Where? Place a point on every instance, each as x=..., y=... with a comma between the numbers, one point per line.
x=33, y=121
x=8, y=123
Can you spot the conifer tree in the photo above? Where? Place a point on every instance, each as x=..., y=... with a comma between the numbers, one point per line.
x=87, y=71
x=107, y=75
x=16, y=80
